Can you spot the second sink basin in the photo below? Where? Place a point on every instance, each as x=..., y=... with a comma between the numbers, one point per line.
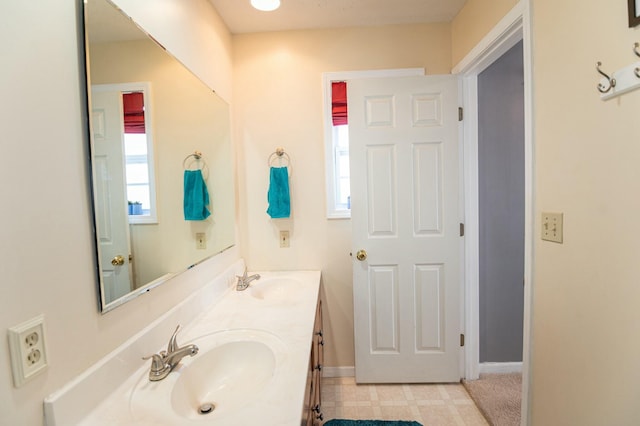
x=276, y=289
x=230, y=370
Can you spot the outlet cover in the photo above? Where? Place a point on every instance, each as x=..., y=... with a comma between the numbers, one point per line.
x=28, y=350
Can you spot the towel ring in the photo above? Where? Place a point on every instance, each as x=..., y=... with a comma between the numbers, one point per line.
x=196, y=158
x=279, y=154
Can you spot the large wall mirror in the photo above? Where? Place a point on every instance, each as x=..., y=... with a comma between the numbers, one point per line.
x=161, y=159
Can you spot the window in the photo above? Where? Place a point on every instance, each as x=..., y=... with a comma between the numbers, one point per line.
x=138, y=155
x=137, y=173
x=342, y=188
x=338, y=181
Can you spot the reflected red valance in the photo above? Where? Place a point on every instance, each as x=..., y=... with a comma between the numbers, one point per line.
x=133, y=104
x=339, y=103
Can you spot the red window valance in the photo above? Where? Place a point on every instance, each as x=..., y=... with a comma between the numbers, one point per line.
x=339, y=103
x=133, y=104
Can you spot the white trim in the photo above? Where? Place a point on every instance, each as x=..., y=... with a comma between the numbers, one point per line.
x=472, y=235
x=529, y=222
x=499, y=40
x=500, y=367
x=515, y=26
x=330, y=372
x=327, y=78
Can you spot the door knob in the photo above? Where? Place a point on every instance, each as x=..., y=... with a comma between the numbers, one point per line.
x=361, y=255
x=117, y=261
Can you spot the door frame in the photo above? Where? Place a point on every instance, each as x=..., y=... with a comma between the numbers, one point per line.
x=514, y=27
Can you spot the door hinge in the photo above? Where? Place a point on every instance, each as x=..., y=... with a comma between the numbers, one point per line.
x=460, y=113
x=461, y=339
x=462, y=229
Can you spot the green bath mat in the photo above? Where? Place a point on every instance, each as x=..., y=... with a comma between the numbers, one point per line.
x=337, y=422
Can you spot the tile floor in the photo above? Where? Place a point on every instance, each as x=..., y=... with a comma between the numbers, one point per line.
x=431, y=405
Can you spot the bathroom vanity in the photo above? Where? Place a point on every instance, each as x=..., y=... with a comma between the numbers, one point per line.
x=259, y=362
x=312, y=413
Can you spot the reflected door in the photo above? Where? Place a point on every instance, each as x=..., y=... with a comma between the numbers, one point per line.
x=403, y=135
x=110, y=196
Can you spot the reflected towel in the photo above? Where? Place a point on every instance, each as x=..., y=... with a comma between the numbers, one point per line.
x=196, y=196
x=278, y=196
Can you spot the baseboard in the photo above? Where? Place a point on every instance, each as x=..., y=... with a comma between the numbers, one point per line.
x=500, y=367
x=339, y=372
x=485, y=367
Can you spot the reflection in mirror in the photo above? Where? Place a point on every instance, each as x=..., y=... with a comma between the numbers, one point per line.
x=149, y=115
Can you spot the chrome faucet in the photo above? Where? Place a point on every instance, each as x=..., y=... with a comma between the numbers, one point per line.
x=244, y=280
x=163, y=363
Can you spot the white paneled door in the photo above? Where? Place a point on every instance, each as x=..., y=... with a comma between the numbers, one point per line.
x=112, y=221
x=405, y=200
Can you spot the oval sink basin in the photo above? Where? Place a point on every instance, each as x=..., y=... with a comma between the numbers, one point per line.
x=276, y=289
x=223, y=378
x=231, y=369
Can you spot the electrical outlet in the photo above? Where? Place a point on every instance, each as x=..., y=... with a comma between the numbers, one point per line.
x=284, y=239
x=28, y=350
x=201, y=240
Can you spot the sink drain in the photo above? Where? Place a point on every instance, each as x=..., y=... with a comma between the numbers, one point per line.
x=206, y=408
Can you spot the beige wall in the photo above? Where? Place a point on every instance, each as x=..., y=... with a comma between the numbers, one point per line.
x=586, y=294
x=45, y=224
x=278, y=102
x=473, y=22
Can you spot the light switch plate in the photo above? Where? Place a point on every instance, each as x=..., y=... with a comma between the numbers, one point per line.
x=284, y=239
x=201, y=241
x=552, y=228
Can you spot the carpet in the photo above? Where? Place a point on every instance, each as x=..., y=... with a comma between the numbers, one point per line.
x=498, y=396
x=337, y=422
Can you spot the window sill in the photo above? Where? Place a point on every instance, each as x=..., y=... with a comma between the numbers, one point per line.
x=341, y=214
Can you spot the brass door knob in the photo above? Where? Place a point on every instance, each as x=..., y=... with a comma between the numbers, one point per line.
x=117, y=261
x=361, y=255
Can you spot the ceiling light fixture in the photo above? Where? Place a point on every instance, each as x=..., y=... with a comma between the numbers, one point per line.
x=265, y=5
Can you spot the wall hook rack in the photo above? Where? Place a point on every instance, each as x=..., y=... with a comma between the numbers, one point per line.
x=611, y=82
x=621, y=81
x=636, y=70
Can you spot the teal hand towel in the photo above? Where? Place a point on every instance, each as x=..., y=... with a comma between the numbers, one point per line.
x=278, y=195
x=196, y=196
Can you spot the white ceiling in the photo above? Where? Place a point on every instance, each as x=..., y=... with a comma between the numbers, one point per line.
x=240, y=17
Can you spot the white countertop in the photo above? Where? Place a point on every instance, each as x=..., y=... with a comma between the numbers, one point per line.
x=289, y=316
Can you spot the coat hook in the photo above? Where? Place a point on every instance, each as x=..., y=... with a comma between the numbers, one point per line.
x=612, y=81
x=636, y=71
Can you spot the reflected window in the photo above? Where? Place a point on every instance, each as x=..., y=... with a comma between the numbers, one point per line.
x=137, y=172
x=138, y=159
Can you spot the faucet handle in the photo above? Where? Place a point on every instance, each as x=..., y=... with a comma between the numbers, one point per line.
x=243, y=276
x=173, y=343
x=157, y=363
